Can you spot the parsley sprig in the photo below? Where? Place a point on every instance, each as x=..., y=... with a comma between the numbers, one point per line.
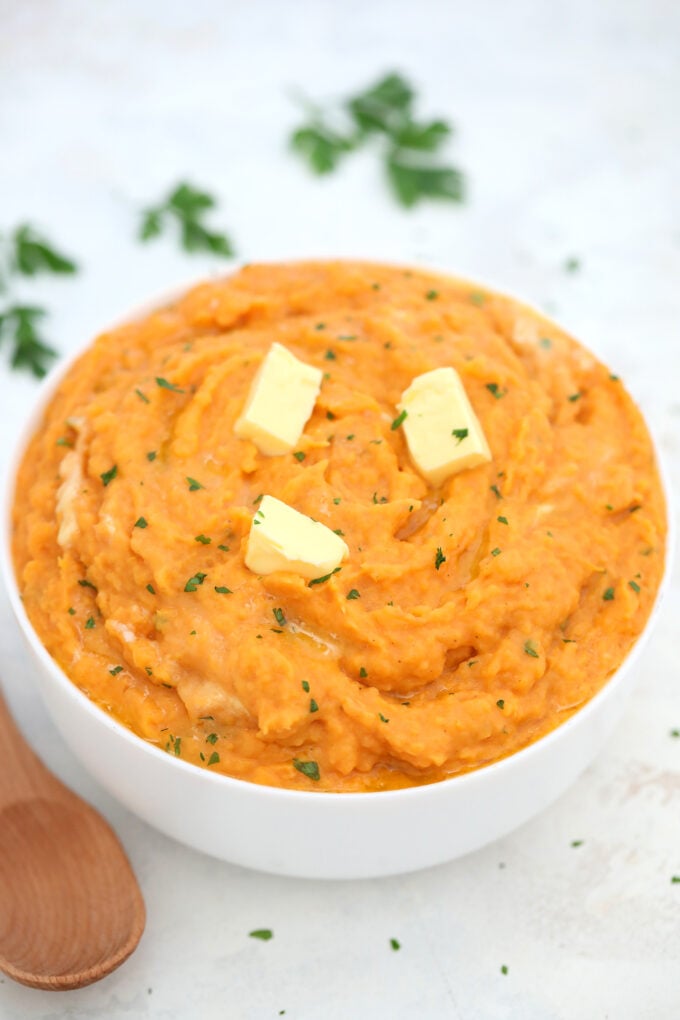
x=383, y=115
x=187, y=207
x=27, y=253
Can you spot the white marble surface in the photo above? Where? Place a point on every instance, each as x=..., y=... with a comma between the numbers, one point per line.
x=568, y=117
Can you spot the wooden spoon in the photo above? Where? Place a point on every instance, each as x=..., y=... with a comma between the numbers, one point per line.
x=70, y=907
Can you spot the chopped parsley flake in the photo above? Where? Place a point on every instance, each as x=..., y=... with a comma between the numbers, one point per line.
x=530, y=649
x=362, y=673
x=203, y=539
x=214, y=758
x=141, y=522
x=325, y=577
x=495, y=389
x=577, y=842
x=71, y=611
x=330, y=355
x=502, y=520
x=193, y=484
x=353, y=594
x=300, y=455
x=63, y=441
x=84, y=583
x=432, y=295
x=222, y=590
x=608, y=595
x=307, y=768
x=399, y=420
x=305, y=686
x=439, y=558
x=460, y=435
x=151, y=455
x=382, y=717
x=504, y=969
x=165, y=385
x=279, y=617
x=496, y=551
x=574, y=397
x=143, y=397
x=224, y=548
x=496, y=491
x=89, y=623
x=500, y=703
x=150, y=588
x=193, y=582
x=258, y=499
x=313, y=707
x=109, y=475
x=634, y=585
x=264, y=934
x=211, y=738
x=116, y=670
x=395, y=944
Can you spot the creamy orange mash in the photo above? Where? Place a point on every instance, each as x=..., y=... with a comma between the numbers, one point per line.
x=467, y=621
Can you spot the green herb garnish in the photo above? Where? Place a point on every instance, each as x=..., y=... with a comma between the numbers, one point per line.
x=399, y=420
x=382, y=717
x=165, y=385
x=222, y=590
x=324, y=578
x=300, y=455
x=264, y=934
x=279, y=617
x=313, y=707
x=530, y=649
x=187, y=206
x=115, y=670
x=109, y=475
x=353, y=594
x=214, y=758
x=193, y=582
x=439, y=558
x=193, y=484
x=383, y=113
x=203, y=539
x=305, y=686
x=608, y=595
x=308, y=768
x=496, y=551
x=501, y=703
x=141, y=522
x=151, y=455
x=495, y=389
x=395, y=944
x=460, y=435
x=363, y=673
x=89, y=623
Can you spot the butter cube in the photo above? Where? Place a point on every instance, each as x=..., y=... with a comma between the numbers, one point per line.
x=441, y=429
x=282, y=538
x=280, y=402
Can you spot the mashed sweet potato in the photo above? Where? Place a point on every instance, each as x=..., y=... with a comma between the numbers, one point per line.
x=467, y=621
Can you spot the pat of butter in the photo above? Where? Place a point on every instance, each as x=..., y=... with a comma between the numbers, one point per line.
x=282, y=538
x=441, y=428
x=280, y=402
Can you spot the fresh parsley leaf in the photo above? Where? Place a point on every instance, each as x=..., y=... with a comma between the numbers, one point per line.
x=214, y=758
x=460, y=435
x=193, y=582
x=439, y=558
x=382, y=114
x=193, y=484
x=141, y=522
x=108, y=476
x=33, y=254
x=19, y=324
x=165, y=385
x=320, y=146
x=223, y=590
x=307, y=768
x=411, y=181
x=187, y=206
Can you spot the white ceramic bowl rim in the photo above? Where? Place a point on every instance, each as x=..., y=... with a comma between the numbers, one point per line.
x=43, y=394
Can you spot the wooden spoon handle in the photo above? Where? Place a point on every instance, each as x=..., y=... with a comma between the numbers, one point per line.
x=22, y=774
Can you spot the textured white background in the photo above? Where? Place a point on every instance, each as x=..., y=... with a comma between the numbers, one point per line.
x=568, y=117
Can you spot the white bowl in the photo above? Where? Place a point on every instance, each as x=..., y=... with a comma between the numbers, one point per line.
x=317, y=835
